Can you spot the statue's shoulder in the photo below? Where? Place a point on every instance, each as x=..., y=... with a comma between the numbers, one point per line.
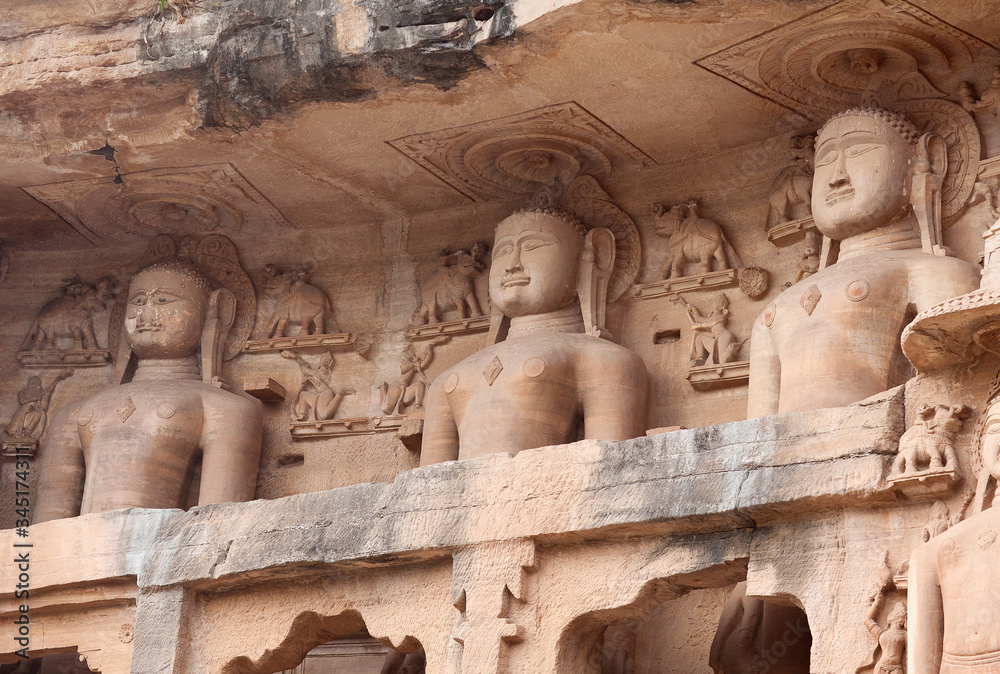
x=607, y=359
x=219, y=397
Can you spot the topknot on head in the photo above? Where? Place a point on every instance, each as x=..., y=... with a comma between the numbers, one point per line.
x=573, y=222
x=183, y=267
x=896, y=121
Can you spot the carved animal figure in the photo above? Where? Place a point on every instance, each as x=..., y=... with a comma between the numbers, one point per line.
x=452, y=284
x=70, y=316
x=692, y=239
x=791, y=191
x=929, y=444
x=299, y=302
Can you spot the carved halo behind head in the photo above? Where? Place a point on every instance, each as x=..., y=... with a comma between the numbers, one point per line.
x=213, y=263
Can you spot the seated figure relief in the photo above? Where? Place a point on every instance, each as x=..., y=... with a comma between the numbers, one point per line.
x=833, y=338
x=137, y=444
x=553, y=379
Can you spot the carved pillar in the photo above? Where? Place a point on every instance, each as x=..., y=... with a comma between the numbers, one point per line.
x=160, y=619
x=487, y=578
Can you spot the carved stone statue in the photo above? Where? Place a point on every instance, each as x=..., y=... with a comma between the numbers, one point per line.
x=953, y=578
x=299, y=303
x=397, y=662
x=712, y=343
x=322, y=402
x=553, y=379
x=834, y=338
x=452, y=285
x=409, y=389
x=929, y=444
x=808, y=263
x=986, y=109
x=693, y=239
x=755, y=636
x=28, y=422
x=70, y=317
x=939, y=521
x=791, y=190
x=891, y=638
x=137, y=444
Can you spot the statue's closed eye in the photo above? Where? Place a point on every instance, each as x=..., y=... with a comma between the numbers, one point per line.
x=826, y=158
x=858, y=150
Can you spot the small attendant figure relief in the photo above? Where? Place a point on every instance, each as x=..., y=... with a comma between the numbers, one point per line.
x=808, y=263
x=410, y=387
x=712, y=343
x=986, y=109
x=28, y=422
x=928, y=445
x=693, y=239
x=452, y=285
x=299, y=303
x=891, y=638
x=938, y=523
x=322, y=402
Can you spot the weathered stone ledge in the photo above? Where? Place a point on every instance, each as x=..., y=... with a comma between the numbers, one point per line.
x=708, y=479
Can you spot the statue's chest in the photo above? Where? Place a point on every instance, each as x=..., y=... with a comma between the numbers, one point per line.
x=149, y=415
x=517, y=375
x=846, y=299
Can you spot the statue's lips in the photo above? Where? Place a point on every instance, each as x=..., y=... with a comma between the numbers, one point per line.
x=148, y=328
x=515, y=281
x=839, y=195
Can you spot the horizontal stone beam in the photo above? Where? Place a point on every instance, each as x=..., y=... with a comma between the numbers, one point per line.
x=694, y=481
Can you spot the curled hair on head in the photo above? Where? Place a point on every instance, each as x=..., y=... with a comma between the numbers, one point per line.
x=896, y=121
x=573, y=222
x=183, y=267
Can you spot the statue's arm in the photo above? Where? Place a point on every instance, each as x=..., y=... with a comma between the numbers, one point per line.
x=61, y=470
x=231, y=442
x=440, y=441
x=925, y=611
x=870, y=623
x=613, y=392
x=765, y=373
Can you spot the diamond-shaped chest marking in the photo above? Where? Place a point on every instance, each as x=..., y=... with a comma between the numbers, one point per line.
x=125, y=411
x=810, y=298
x=493, y=370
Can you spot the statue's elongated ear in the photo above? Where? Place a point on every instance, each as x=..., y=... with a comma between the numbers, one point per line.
x=596, y=265
x=219, y=319
x=931, y=164
x=125, y=360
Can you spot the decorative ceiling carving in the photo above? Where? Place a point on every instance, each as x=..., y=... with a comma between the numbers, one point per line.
x=887, y=53
x=850, y=53
x=179, y=201
x=515, y=155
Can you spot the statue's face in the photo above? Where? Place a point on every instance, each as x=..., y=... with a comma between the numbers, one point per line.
x=991, y=439
x=536, y=261
x=861, y=179
x=165, y=314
